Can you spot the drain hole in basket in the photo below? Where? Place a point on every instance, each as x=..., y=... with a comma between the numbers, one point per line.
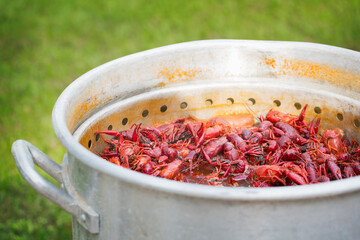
x=230, y=101
x=252, y=101
x=110, y=127
x=317, y=110
x=124, y=121
x=89, y=144
x=208, y=102
x=97, y=136
x=297, y=106
x=183, y=105
x=145, y=113
x=339, y=116
x=277, y=103
x=357, y=123
x=163, y=108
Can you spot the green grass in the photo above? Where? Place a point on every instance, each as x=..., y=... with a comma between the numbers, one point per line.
x=45, y=45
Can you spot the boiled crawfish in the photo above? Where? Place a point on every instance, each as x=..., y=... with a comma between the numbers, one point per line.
x=282, y=149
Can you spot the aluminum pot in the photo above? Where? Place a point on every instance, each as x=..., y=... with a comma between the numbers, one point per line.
x=202, y=78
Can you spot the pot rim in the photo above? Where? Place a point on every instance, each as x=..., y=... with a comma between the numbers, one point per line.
x=194, y=190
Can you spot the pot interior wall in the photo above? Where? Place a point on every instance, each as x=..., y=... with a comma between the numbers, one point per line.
x=216, y=99
x=297, y=65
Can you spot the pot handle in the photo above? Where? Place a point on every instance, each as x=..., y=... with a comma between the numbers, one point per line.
x=25, y=155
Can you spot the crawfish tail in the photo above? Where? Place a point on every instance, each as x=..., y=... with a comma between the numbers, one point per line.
x=334, y=169
x=295, y=177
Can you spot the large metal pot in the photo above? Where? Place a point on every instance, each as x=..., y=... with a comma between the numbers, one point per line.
x=202, y=78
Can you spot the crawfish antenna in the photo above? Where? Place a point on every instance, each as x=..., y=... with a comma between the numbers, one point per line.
x=248, y=108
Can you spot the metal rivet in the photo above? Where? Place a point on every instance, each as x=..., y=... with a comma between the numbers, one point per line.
x=83, y=217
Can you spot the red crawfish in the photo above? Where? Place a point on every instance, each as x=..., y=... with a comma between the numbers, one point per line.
x=270, y=146
x=254, y=150
x=171, y=153
x=277, y=132
x=246, y=133
x=296, y=168
x=256, y=138
x=205, y=132
x=213, y=148
x=349, y=172
x=110, y=132
x=333, y=167
x=115, y=160
x=291, y=133
x=230, y=152
x=344, y=157
x=143, y=163
x=284, y=141
x=283, y=147
x=291, y=155
x=265, y=125
x=212, y=178
x=154, y=153
x=273, y=175
x=268, y=134
x=134, y=133
x=356, y=167
x=329, y=162
x=171, y=131
x=323, y=178
x=216, y=126
x=197, y=131
x=276, y=116
x=274, y=157
x=235, y=167
x=314, y=127
x=166, y=129
x=190, y=157
x=171, y=170
x=300, y=120
x=213, y=132
x=152, y=133
x=309, y=166
x=237, y=141
x=332, y=140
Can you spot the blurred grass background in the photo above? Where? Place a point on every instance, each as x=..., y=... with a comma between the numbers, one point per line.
x=45, y=45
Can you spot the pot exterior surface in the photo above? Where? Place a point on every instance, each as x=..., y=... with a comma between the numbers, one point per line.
x=137, y=206
x=130, y=211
